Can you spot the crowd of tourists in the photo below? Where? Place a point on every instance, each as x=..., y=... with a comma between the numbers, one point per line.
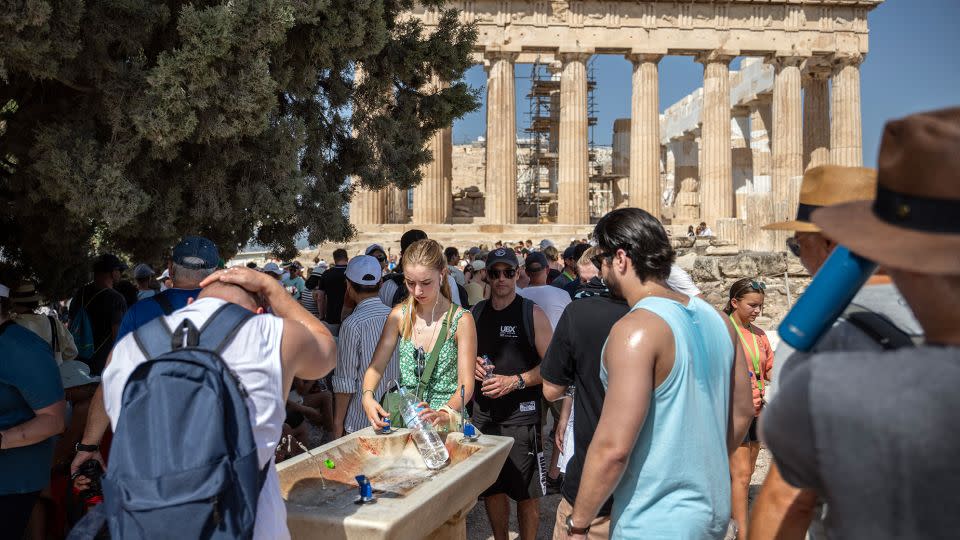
x=655, y=402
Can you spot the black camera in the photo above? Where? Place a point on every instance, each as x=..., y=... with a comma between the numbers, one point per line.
x=93, y=494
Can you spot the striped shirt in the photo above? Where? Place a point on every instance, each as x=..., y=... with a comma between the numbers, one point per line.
x=309, y=303
x=359, y=334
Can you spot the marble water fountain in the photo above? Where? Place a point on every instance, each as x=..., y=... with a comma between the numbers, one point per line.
x=412, y=501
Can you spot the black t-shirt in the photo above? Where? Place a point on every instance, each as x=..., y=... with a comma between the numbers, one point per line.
x=502, y=337
x=552, y=274
x=333, y=283
x=105, y=308
x=573, y=358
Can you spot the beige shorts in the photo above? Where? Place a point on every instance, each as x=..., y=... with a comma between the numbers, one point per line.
x=599, y=528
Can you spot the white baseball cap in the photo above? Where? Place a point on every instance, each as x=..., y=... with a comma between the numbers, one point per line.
x=364, y=270
x=478, y=265
x=272, y=268
x=164, y=275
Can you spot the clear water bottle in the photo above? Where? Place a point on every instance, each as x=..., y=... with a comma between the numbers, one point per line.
x=428, y=441
x=487, y=363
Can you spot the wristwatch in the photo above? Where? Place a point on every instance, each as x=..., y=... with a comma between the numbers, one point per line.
x=575, y=530
x=520, y=384
x=80, y=447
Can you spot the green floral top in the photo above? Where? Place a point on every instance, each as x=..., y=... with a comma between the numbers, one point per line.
x=443, y=383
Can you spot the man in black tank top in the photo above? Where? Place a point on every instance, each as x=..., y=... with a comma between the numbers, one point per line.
x=508, y=403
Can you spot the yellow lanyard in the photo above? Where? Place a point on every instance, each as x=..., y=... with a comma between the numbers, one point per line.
x=754, y=353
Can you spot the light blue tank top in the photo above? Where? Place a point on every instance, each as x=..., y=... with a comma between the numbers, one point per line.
x=677, y=482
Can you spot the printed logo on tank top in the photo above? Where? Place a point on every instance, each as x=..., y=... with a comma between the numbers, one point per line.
x=508, y=331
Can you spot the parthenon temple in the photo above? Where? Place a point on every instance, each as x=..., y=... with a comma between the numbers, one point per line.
x=730, y=154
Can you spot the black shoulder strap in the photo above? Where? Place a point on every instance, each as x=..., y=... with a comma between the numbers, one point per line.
x=477, y=310
x=164, y=302
x=54, y=335
x=878, y=327
x=528, y=325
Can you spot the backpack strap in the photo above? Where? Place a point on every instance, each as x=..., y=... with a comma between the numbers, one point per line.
x=164, y=302
x=54, y=337
x=477, y=309
x=220, y=329
x=878, y=327
x=154, y=338
x=528, y=325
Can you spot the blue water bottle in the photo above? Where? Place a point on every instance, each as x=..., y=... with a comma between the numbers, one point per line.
x=830, y=292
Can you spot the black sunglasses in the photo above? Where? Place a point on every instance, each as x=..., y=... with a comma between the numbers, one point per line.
x=380, y=258
x=597, y=259
x=509, y=273
x=793, y=246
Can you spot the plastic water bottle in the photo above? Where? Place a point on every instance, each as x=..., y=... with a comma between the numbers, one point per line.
x=428, y=441
x=486, y=362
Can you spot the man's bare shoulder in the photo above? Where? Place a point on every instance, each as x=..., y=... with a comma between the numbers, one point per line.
x=640, y=325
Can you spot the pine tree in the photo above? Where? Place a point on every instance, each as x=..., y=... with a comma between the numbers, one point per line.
x=125, y=124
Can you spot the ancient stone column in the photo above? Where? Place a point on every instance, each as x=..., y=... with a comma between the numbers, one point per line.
x=741, y=153
x=396, y=205
x=761, y=116
x=433, y=198
x=816, y=118
x=501, y=172
x=573, y=188
x=366, y=207
x=787, y=140
x=686, y=179
x=846, y=136
x=643, y=187
x=716, y=172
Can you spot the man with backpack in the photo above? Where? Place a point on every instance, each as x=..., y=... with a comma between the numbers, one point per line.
x=205, y=389
x=194, y=258
x=513, y=333
x=96, y=311
x=877, y=315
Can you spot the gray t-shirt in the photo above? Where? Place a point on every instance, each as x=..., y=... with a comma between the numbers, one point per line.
x=874, y=434
x=844, y=336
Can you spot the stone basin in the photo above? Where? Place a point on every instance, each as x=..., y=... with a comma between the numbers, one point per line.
x=412, y=500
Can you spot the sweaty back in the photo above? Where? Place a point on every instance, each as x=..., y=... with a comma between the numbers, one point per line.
x=677, y=482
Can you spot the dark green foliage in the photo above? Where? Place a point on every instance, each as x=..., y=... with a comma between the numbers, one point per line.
x=125, y=124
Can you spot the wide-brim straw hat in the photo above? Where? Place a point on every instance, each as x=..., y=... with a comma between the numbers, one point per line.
x=827, y=185
x=24, y=294
x=914, y=223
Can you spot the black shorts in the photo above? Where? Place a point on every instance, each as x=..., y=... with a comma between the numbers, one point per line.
x=523, y=475
x=752, y=432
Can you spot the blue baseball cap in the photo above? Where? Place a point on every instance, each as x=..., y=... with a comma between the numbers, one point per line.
x=196, y=253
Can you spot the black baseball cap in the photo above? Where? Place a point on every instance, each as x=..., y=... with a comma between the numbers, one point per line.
x=569, y=253
x=196, y=253
x=108, y=262
x=535, y=262
x=502, y=255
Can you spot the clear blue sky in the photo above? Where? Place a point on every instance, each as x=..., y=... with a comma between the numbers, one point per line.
x=913, y=65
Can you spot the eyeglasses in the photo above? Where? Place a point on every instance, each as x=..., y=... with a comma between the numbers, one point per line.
x=597, y=259
x=794, y=246
x=509, y=273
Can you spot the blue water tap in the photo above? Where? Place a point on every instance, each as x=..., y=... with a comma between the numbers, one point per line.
x=366, y=490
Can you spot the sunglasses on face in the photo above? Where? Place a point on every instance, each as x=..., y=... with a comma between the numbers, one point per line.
x=597, y=260
x=509, y=273
x=794, y=246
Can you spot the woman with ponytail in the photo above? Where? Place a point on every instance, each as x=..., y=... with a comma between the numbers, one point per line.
x=427, y=319
x=743, y=307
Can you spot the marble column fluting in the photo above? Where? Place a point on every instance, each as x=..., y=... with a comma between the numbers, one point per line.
x=846, y=131
x=761, y=116
x=573, y=188
x=816, y=118
x=367, y=207
x=501, y=149
x=433, y=197
x=396, y=204
x=787, y=140
x=643, y=187
x=716, y=168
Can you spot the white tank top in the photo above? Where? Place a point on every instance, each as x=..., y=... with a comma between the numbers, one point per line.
x=254, y=355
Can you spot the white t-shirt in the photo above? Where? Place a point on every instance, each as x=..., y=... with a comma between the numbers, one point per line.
x=254, y=355
x=552, y=300
x=680, y=281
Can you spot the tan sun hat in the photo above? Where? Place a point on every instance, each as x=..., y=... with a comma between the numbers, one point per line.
x=827, y=185
x=914, y=223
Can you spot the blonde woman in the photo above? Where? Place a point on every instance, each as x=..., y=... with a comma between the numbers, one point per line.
x=415, y=328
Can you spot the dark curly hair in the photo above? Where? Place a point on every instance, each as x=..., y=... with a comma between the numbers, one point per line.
x=641, y=236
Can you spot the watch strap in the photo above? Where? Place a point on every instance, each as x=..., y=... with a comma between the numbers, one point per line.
x=87, y=447
x=575, y=530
